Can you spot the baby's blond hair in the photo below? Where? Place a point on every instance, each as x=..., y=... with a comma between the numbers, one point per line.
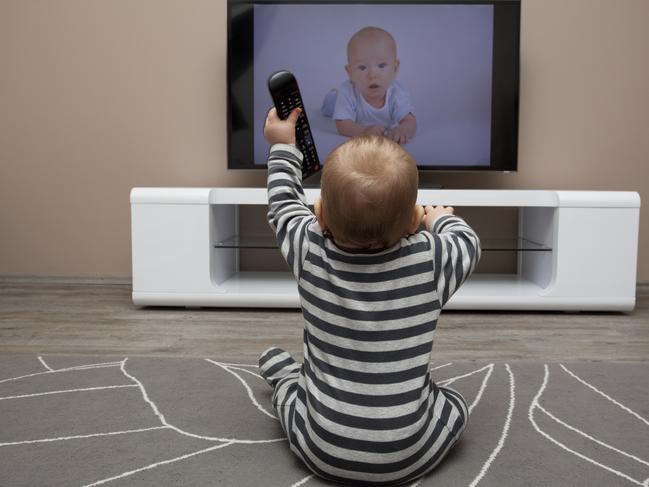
x=369, y=190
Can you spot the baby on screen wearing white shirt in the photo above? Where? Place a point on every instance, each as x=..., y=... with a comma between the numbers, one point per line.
x=371, y=101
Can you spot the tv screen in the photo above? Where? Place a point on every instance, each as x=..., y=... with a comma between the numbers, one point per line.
x=450, y=67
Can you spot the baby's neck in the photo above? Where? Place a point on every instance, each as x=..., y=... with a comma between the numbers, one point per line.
x=378, y=102
x=353, y=248
x=360, y=250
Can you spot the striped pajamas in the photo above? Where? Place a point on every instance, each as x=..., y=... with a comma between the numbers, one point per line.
x=362, y=407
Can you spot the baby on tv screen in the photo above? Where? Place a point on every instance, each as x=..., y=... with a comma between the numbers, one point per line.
x=420, y=74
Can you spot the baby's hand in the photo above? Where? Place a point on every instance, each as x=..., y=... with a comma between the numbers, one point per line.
x=401, y=134
x=278, y=131
x=405, y=131
x=432, y=213
x=374, y=130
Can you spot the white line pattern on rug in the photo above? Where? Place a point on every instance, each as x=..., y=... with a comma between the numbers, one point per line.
x=165, y=425
x=233, y=369
x=303, y=481
x=535, y=404
x=67, y=369
x=449, y=381
x=162, y=419
x=633, y=413
x=77, y=437
x=482, y=387
x=40, y=359
x=246, y=386
x=441, y=366
x=85, y=389
x=587, y=436
x=239, y=365
x=157, y=464
x=505, y=432
x=249, y=372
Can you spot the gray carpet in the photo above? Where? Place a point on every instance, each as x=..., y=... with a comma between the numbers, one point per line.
x=79, y=421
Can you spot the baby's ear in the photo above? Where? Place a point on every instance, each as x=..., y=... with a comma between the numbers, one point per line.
x=396, y=65
x=319, y=214
x=348, y=70
x=418, y=214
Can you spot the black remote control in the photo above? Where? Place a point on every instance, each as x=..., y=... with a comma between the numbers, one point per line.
x=286, y=97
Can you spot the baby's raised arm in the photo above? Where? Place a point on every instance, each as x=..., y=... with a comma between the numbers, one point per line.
x=455, y=247
x=288, y=213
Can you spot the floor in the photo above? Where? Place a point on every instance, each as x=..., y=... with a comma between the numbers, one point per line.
x=100, y=319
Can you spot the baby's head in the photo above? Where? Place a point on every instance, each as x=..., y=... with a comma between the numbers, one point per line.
x=369, y=193
x=372, y=61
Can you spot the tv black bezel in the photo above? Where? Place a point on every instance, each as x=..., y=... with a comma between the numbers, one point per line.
x=505, y=81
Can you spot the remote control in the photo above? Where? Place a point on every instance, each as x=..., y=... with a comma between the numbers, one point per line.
x=286, y=97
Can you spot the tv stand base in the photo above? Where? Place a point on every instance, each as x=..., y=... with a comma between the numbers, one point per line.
x=590, y=264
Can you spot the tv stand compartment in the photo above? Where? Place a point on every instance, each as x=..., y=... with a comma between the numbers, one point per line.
x=577, y=250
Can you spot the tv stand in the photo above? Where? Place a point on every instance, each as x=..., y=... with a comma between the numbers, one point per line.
x=577, y=250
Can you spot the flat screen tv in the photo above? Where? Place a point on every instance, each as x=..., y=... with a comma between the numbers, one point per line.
x=453, y=65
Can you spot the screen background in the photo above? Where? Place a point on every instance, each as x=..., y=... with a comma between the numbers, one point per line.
x=446, y=65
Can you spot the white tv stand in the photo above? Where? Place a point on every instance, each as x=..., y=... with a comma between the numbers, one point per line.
x=578, y=250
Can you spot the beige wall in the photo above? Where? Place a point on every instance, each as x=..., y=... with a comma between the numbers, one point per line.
x=99, y=96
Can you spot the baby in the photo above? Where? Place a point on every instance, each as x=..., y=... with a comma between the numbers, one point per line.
x=363, y=407
x=372, y=101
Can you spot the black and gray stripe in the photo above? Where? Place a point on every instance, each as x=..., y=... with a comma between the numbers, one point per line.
x=362, y=406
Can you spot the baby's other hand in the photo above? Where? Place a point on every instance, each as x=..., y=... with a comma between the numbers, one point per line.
x=399, y=134
x=405, y=131
x=278, y=131
x=432, y=213
x=374, y=130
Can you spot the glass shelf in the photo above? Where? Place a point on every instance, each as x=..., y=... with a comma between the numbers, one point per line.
x=488, y=244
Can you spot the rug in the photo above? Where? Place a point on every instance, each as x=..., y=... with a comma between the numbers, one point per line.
x=149, y=421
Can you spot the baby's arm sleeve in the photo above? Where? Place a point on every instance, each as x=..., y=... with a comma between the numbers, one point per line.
x=456, y=251
x=402, y=105
x=345, y=108
x=288, y=213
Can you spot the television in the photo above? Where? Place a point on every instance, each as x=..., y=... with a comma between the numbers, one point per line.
x=456, y=68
